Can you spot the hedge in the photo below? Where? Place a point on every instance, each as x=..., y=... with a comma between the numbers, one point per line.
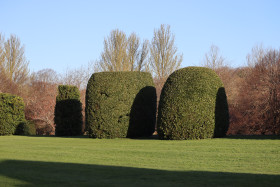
x=120, y=104
x=68, y=111
x=193, y=105
x=11, y=113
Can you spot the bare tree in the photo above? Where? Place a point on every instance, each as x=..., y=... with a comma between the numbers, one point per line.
x=114, y=57
x=142, y=64
x=122, y=53
x=14, y=64
x=163, y=58
x=48, y=76
x=1, y=48
x=213, y=59
x=256, y=55
x=136, y=55
x=259, y=96
x=133, y=50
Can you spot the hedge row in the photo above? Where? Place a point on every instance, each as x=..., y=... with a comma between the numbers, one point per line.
x=120, y=104
x=68, y=111
x=11, y=113
x=193, y=105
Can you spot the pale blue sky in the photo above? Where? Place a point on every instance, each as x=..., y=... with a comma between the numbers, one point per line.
x=60, y=34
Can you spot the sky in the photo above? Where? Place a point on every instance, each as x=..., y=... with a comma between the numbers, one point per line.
x=67, y=34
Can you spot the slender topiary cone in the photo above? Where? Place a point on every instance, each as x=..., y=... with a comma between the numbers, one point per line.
x=120, y=104
x=68, y=111
x=193, y=105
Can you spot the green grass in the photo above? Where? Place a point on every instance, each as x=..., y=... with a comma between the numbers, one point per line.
x=54, y=161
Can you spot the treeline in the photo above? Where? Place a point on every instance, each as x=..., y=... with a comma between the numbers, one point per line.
x=252, y=91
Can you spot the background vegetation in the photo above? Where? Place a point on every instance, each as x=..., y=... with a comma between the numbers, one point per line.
x=252, y=90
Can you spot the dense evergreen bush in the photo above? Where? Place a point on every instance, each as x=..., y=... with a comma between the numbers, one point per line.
x=120, y=104
x=26, y=128
x=11, y=113
x=68, y=111
x=193, y=105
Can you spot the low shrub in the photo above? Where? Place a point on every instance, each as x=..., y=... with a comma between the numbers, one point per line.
x=26, y=128
x=120, y=104
x=11, y=113
x=193, y=105
x=68, y=111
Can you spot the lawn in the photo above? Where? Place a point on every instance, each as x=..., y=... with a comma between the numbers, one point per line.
x=80, y=161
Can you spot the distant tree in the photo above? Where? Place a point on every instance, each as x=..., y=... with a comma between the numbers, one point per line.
x=163, y=53
x=142, y=64
x=213, y=59
x=114, y=57
x=122, y=53
x=259, y=96
x=1, y=48
x=137, y=56
x=45, y=76
x=256, y=55
x=13, y=64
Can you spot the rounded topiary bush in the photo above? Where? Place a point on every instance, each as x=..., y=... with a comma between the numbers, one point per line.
x=193, y=105
x=26, y=128
x=120, y=104
x=68, y=111
x=11, y=113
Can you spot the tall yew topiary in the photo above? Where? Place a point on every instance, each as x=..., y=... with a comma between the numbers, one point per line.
x=11, y=113
x=193, y=105
x=120, y=104
x=68, y=111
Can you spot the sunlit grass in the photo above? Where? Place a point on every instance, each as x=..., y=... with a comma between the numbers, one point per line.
x=201, y=158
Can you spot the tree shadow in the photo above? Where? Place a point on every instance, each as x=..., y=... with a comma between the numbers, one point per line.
x=35, y=173
x=143, y=113
x=221, y=114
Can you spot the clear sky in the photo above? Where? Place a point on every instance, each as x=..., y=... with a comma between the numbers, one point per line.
x=60, y=34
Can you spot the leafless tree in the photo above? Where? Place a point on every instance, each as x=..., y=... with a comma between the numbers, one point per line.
x=114, y=57
x=1, y=48
x=213, y=59
x=256, y=55
x=163, y=53
x=259, y=97
x=123, y=54
x=13, y=62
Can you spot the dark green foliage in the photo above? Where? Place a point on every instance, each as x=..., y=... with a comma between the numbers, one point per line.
x=120, y=104
x=221, y=114
x=193, y=105
x=11, y=113
x=68, y=111
x=26, y=128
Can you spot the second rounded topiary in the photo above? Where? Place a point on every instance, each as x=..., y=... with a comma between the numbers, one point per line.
x=193, y=105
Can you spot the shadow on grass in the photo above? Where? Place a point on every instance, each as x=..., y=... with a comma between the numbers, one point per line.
x=254, y=137
x=32, y=173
